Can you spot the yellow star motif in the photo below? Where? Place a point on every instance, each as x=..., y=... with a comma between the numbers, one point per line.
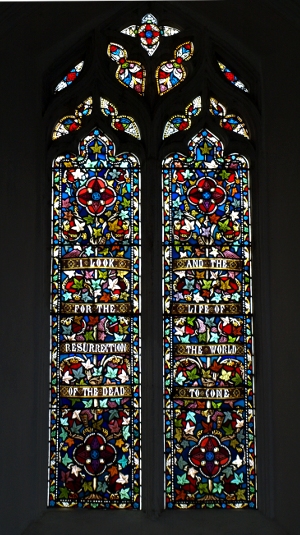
x=97, y=232
x=122, y=273
x=119, y=443
x=225, y=376
x=78, y=319
x=240, y=495
x=113, y=226
x=96, y=148
x=200, y=274
x=225, y=285
x=205, y=149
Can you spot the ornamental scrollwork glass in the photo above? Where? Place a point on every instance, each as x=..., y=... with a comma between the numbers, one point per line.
x=130, y=73
x=232, y=78
x=149, y=33
x=70, y=77
x=171, y=73
x=71, y=123
x=177, y=123
x=122, y=123
x=228, y=121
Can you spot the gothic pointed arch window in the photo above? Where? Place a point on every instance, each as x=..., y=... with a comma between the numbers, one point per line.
x=162, y=130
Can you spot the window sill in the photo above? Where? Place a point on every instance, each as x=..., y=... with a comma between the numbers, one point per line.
x=229, y=522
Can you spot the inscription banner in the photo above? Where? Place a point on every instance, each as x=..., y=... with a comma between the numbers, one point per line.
x=207, y=263
x=208, y=393
x=209, y=350
x=96, y=308
x=96, y=392
x=94, y=347
x=194, y=308
x=101, y=263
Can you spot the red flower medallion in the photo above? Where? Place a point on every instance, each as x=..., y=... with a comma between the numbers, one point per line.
x=207, y=195
x=96, y=196
x=209, y=456
x=95, y=454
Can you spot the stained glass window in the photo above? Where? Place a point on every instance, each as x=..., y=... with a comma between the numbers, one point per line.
x=171, y=73
x=129, y=72
x=208, y=356
x=208, y=403
x=232, y=78
x=178, y=123
x=228, y=121
x=123, y=123
x=95, y=359
x=70, y=77
x=149, y=33
x=71, y=123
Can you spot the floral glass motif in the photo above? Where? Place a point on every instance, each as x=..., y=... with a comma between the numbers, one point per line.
x=171, y=73
x=95, y=360
x=233, y=79
x=208, y=355
x=149, y=33
x=70, y=123
x=123, y=123
x=129, y=73
x=70, y=77
x=229, y=122
x=183, y=122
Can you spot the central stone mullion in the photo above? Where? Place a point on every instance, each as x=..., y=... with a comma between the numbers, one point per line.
x=152, y=387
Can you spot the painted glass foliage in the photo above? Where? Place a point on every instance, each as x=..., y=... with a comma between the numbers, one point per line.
x=149, y=33
x=129, y=73
x=228, y=121
x=171, y=73
x=95, y=371
x=70, y=77
x=232, y=78
x=70, y=123
x=208, y=357
x=183, y=122
x=123, y=123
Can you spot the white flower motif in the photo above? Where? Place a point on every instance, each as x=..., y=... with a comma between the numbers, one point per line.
x=88, y=365
x=192, y=472
x=67, y=377
x=239, y=424
x=75, y=470
x=197, y=297
x=122, y=478
x=214, y=252
x=113, y=284
x=123, y=376
x=78, y=225
x=188, y=225
x=238, y=461
x=180, y=273
x=189, y=430
x=234, y=215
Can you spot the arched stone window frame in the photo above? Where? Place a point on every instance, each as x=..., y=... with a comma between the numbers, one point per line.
x=266, y=503
x=203, y=78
